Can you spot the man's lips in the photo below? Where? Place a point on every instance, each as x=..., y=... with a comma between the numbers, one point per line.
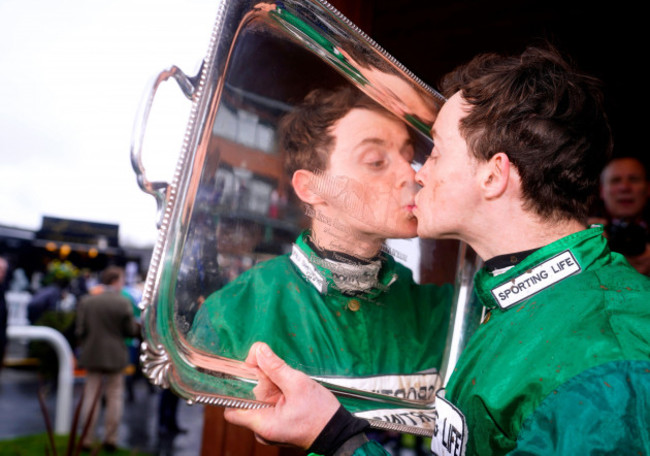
x=626, y=201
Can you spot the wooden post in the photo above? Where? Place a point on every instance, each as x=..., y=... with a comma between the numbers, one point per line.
x=221, y=438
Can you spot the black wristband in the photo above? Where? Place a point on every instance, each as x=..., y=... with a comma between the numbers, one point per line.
x=337, y=431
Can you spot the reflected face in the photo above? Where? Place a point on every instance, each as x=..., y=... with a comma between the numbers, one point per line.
x=369, y=185
x=448, y=197
x=406, y=99
x=624, y=188
x=3, y=269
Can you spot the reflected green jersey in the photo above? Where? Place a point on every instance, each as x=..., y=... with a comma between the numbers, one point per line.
x=389, y=339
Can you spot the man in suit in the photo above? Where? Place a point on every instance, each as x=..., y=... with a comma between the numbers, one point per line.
x=103, y=321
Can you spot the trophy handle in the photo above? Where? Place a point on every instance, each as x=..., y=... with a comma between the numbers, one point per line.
x=466, y=311
x=159, y=190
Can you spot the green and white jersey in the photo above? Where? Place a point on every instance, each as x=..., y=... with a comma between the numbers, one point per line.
x=389, y=339
x=561, y=364
x=561, y=325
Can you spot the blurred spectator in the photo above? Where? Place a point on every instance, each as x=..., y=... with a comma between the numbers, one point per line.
x=17, y=297
x=4, y=265
x=53, y=306
x=624, y=191
x=19, y=281
x=45, y=299
x=79, y=286
x=104, y=320
x=133, y=293
x=167, y=421
x=50, y=297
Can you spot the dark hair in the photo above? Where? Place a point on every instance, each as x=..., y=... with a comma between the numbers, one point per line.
x=546, y=116
x=304, y=134
x=110, y=275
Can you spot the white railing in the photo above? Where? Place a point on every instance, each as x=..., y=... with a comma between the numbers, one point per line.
x=17, y=303
x=64, y=393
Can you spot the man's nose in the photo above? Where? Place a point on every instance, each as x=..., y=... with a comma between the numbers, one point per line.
x=626, y=185
x=419, y=176
x=405, y=174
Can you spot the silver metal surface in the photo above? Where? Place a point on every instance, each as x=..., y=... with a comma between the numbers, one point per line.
x=322, y=34
x=156, y=364
x=466, y=313
x=396, y=427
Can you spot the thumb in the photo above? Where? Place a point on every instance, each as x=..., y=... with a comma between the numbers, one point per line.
x=273, y=366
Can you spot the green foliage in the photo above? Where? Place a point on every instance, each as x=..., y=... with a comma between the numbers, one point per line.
x=60, y=272
x=36, y=445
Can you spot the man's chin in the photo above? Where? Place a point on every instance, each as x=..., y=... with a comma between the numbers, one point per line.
x=427, y=232
x=408, y=233
x=412, y=230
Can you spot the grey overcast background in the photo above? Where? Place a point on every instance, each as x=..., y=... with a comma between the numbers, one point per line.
x=72, y=75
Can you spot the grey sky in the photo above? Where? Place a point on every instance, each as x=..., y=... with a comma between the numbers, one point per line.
x=72, y=74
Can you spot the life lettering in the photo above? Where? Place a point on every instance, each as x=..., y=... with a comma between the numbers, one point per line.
x=452, y=438
x=450, y=432
x=560, y=265
x=536, y=279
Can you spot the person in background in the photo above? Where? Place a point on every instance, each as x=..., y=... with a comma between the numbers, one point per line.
x=79, y=285
x=167, y=414
x=47, y=298
x=624, y=191
x=52, y=305
x=104, y=320
x=561, y=362
x=134, y=294
x=4, y=266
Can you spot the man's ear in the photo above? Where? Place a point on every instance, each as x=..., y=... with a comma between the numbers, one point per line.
x=305, y=184
x=496, y=174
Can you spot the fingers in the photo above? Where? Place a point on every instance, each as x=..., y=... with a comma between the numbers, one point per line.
x=277, y=371
x=252, y=353
x=251, y=419
x=263, y=441
x=265, y=390
x=268, y=361
x=302, y=406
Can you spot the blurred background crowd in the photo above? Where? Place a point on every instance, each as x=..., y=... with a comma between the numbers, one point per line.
x=44, y=275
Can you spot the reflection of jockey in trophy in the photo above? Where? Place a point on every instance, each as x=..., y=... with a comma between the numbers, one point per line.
x=339, y=305
x=383, y=81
